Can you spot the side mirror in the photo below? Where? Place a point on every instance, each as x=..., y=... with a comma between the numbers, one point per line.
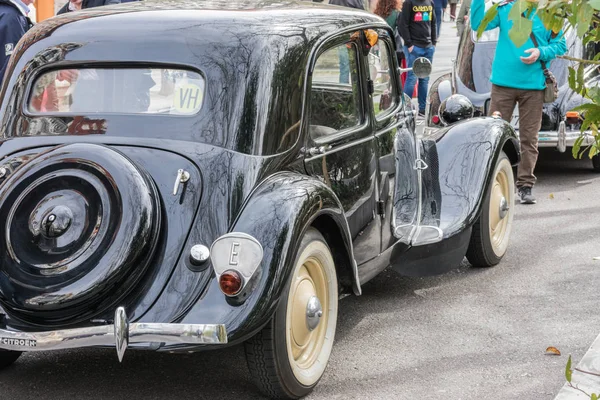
x=421, y=68
x=456, y=108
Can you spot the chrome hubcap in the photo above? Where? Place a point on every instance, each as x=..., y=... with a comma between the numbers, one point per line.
x=503, y=207
x=314, y=312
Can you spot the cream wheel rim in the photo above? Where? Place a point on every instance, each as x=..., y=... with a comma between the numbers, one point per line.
x=309, y=349
x=501, y=208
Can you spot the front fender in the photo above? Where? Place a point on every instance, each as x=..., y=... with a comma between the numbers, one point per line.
x=462, y=159
x=277, y=214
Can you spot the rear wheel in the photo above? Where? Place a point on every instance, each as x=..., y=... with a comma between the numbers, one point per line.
x=288, y=357
x=491, y=232
x=596, y=163
x=8, y=357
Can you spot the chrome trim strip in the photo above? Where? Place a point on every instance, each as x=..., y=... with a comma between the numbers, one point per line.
x=118, y=335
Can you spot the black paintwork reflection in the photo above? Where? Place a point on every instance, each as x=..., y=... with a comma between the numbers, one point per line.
x=254, y=98
x=465, y=155
x=456, y=108
x=79, y=219
x=246, y=58
x=351, y=173
x=305, y=199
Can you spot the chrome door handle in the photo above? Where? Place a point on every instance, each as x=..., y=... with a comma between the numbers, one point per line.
x=315, y=151
x=182, y=177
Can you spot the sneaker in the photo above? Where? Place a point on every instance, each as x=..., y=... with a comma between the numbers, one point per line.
x=422, y=113
x=526, y=196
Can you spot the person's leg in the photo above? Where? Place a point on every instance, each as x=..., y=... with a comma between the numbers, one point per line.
x=531, y=104
x=411, y=79
x=424, y=82
x=438, y=21
x=453, y=11
x=503, y=100
x=344, y=64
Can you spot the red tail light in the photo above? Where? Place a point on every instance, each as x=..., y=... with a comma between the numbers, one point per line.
x=435, y=119
x=230, y=283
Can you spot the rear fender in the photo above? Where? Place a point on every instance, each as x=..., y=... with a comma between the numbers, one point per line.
x=277, y=214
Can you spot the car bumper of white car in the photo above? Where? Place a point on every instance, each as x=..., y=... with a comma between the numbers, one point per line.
x=119, y=335
x=561, y=139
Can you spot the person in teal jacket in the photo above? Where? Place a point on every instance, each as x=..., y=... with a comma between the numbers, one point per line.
x=518, y=78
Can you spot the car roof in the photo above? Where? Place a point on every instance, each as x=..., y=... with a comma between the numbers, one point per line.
x=230, y=12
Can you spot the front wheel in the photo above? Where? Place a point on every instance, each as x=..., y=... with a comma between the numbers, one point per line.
x=288, y=357
x=8, y=357
x=491, y=232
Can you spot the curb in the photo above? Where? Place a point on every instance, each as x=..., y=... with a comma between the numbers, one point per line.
x=586, y=382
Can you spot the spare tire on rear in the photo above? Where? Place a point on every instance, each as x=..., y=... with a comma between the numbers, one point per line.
x=80, y=224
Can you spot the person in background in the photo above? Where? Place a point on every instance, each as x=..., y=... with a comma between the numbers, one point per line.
x=360, y=4
x=453, y=9
x=463, y=16
x=418, y=29
x=390, y=11
x=518, y=78
x=76, y=5
x=14, y=23
x=440, y=6
x=342, y=51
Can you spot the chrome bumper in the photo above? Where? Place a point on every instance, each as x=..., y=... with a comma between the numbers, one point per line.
x=120, y=334
x=553, y=138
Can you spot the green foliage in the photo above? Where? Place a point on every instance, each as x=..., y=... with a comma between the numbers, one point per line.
x=568, y=370
x=487, y=18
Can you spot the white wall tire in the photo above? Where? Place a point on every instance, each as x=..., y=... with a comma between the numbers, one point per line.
x=491, y=232
x=288, y=358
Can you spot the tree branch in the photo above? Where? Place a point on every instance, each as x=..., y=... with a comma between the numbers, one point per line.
x=586, y=372
x=579, y=60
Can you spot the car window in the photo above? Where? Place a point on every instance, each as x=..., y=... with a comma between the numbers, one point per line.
x=117, y=91
x=381, y=73
x=335, y=91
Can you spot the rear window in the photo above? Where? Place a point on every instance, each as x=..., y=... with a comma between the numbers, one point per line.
x=117, y=91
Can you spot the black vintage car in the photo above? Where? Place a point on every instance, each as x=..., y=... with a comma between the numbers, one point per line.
x=186, y=175
x=470, y=77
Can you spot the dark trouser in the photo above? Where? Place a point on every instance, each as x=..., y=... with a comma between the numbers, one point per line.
x=530, y=103
x=439, y=17
x=453, y=10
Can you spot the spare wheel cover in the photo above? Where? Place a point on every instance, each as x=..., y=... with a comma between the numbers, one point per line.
x=80, y=224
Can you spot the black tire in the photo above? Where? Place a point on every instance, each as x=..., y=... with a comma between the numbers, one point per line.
x=267, y=353
x=484, y=250
x=596, y=163
x=8, y=357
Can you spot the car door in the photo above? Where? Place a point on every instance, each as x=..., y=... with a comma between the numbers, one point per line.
x=341, y=148
x=396, y=147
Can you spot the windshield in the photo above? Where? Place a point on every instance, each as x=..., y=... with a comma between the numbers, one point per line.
x=117, y=91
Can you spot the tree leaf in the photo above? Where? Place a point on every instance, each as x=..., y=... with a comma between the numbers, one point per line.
x=552, y=351
x=520, y=31
x=594, y=396
x=577, y=147
x=572, y=84
x=595, y=4
x=584, y=19
x=593, y=150
x=588, y=107
x=594, y=94
x=487, y=18
x=568, y=371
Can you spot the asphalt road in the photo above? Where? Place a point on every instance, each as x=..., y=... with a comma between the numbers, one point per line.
x=469, y=334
